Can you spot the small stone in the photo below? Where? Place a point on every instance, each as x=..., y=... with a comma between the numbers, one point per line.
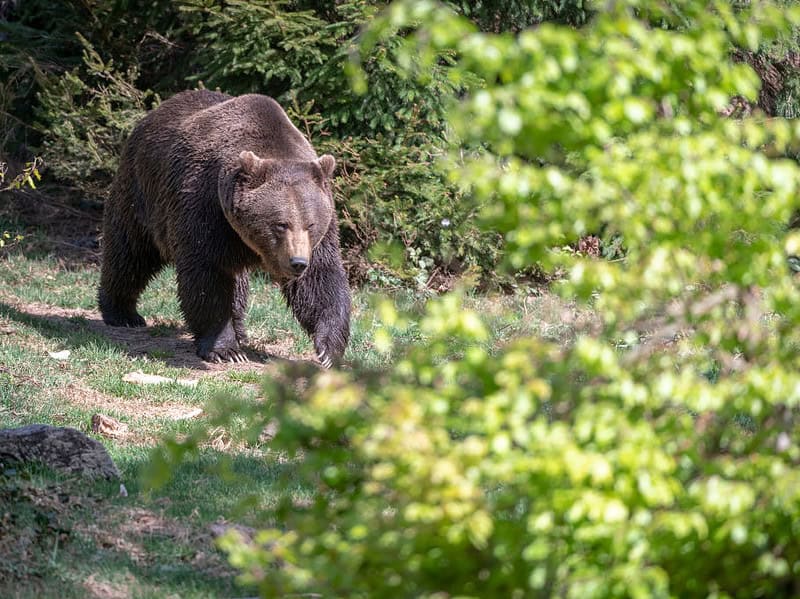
x=140, y=378
x=60, y=355
x=108, y=426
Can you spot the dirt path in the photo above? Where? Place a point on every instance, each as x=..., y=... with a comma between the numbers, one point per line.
x=173, y=345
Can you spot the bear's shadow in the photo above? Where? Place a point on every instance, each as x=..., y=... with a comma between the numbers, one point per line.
x=78, y=328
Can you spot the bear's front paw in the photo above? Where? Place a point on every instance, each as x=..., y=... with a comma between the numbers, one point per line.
x=234, y=356
x=222, y=347
x=329, y=349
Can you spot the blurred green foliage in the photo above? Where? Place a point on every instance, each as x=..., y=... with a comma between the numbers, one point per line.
x=655, y=455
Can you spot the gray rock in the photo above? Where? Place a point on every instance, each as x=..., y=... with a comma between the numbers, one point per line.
x=59, y=448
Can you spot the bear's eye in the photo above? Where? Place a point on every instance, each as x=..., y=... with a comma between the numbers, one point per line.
x=281, y=227
x=310, y=226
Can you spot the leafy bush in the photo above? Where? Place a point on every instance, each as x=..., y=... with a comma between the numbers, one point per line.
x=88, y=113
x=654, y=455
x=45, y=41
x=23, y=179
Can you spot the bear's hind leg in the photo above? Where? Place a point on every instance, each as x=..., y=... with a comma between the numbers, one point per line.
x=129, y=263
x=206, y=295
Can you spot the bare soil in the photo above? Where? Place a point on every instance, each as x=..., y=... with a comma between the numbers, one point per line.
x=174, y=350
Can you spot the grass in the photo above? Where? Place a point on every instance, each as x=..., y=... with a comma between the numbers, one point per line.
x=64, y=537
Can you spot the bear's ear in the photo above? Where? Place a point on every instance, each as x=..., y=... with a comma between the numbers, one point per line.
x=328, y=164
x=254, y=170
x=242, y=175
x=248, y=162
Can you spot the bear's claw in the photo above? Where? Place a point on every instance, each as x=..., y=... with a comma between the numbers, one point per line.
x=324, y=359
x=233, y=356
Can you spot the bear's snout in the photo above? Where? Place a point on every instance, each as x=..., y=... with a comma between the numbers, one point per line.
x=298, y=264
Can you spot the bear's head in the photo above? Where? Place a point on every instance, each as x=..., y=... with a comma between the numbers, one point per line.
x=280, y=208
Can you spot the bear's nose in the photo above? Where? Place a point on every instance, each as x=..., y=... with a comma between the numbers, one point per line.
x=298, y=264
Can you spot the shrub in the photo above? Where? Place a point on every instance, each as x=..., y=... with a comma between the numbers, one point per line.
x=25, y=178
x=255, y=47
x=46, y=41
x=88, y=113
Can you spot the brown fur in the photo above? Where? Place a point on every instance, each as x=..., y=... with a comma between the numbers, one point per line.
x=217, y=186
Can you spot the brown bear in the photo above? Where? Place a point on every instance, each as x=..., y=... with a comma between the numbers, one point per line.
x=218, y=185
